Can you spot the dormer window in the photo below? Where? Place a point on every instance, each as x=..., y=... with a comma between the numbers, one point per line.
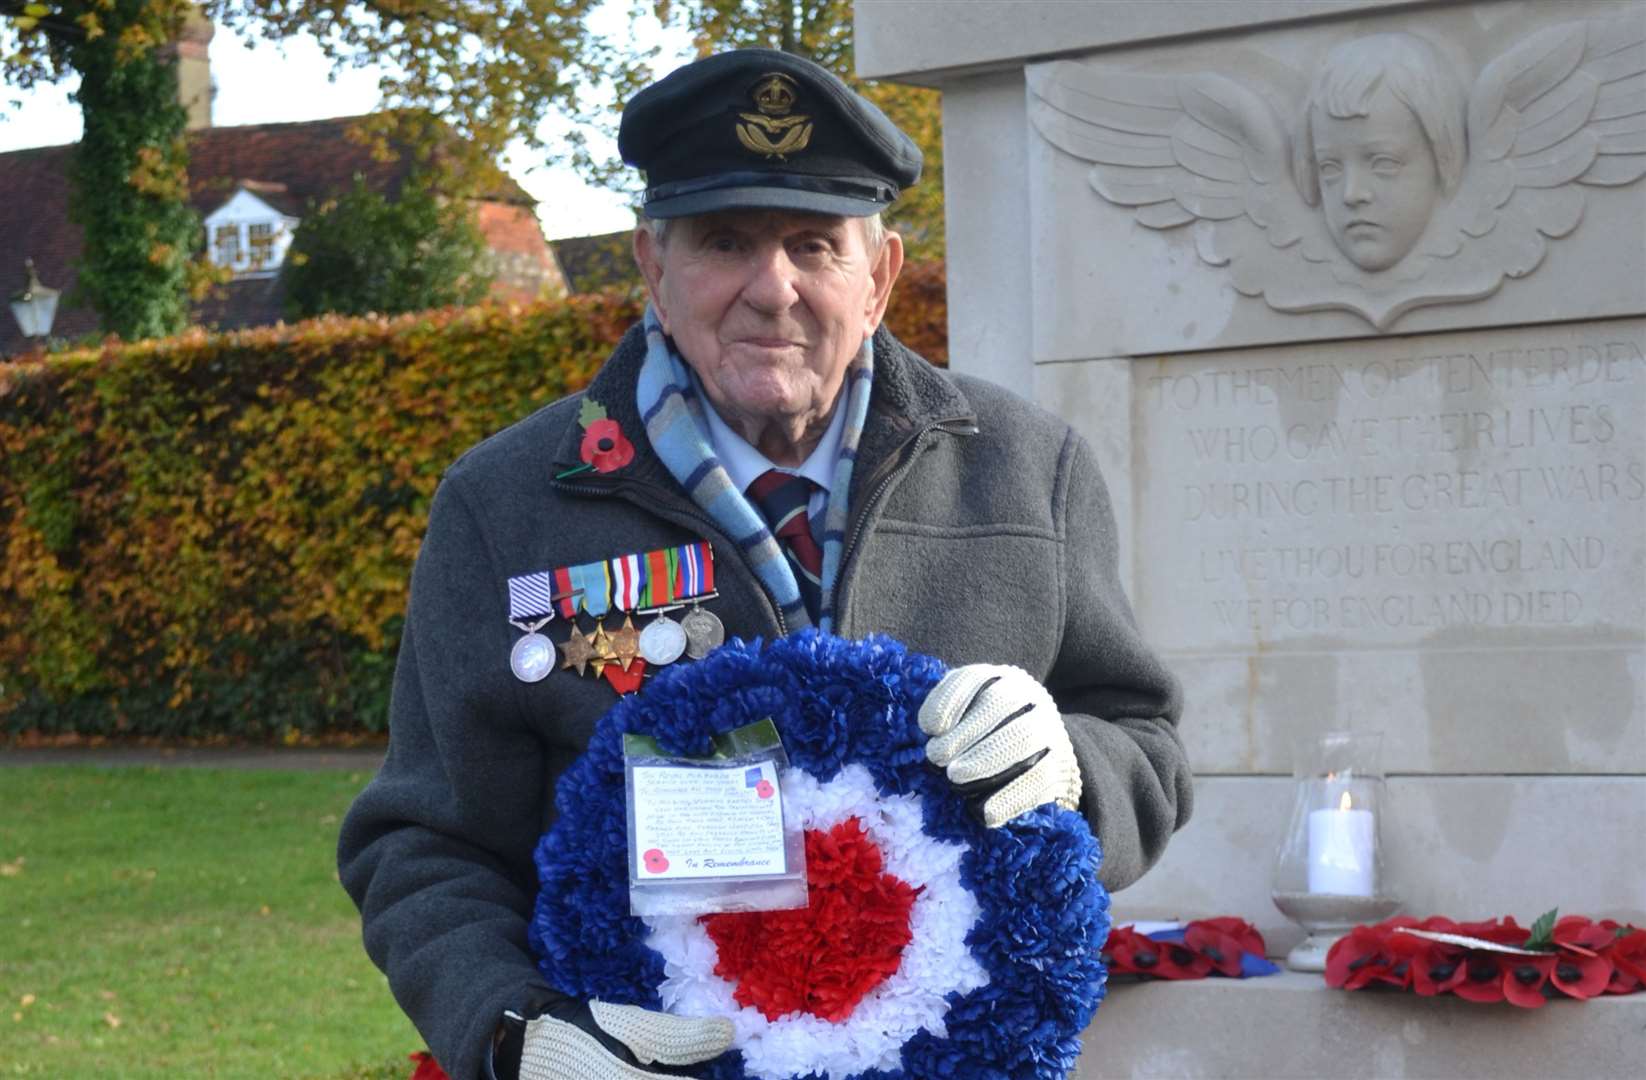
x=248, y=235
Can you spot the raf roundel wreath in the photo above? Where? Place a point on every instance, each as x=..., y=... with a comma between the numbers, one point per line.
x=930, y=946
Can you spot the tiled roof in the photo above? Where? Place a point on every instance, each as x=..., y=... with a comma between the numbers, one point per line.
x=592, y=263
x=286, y=165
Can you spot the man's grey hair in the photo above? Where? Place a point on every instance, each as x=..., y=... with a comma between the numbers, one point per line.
x=874, y=231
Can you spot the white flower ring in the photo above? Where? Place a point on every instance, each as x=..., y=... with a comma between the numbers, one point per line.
x=1000, y=971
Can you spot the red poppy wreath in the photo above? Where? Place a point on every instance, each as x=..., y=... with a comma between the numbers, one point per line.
x=930, y=946
x=1494, y=960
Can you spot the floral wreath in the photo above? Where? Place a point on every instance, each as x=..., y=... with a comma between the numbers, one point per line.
x=931, y=946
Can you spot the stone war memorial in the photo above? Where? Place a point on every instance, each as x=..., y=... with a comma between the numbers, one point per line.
x=1350, y=297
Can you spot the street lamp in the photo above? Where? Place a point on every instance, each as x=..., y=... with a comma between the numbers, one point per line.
x=36, y=305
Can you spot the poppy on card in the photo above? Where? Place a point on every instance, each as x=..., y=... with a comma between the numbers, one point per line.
x=427, y=1067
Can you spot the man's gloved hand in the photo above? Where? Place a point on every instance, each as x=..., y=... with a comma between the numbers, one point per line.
x=594, y=1040
x=997, y=733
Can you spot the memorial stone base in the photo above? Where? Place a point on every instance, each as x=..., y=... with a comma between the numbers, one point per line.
x=1350, y=300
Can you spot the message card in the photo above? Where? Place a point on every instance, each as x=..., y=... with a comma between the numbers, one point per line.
x=707, y=822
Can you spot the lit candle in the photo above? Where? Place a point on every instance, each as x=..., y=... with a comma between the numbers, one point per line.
x=1341, y=849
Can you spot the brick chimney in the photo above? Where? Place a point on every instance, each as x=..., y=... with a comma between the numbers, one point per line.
x=194, y=86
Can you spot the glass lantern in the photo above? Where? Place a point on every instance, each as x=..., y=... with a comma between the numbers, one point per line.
x=1330, y=873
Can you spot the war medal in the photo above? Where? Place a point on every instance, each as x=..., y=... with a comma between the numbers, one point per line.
x=626, y=642
x=533, y=655
x=576, y=652
x=663, y=641
x=531, y=607
x=601, y=642
x=704, y=632
x=643, y=583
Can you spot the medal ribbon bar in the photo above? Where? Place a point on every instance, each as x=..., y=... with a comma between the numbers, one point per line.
x=595, y=580
x=565, y=592
x=659, y=582
x=648, y=579
x=530, y=596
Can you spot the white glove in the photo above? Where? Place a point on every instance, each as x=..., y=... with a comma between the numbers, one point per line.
x=997, y=733
x=576, y=1043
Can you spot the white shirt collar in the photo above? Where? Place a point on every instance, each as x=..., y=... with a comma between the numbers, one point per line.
x=744, y=463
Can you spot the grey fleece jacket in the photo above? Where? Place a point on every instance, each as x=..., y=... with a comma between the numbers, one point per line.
x=980, y=531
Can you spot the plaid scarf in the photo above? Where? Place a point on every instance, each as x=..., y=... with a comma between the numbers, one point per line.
x=673, y=413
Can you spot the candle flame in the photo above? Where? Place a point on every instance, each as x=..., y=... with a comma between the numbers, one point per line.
x=1344, y=803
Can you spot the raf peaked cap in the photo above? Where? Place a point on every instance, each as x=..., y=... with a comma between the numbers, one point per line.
x=761, y=129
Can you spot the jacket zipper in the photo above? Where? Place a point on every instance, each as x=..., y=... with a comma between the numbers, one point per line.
x=678, y=512
x=905, y=457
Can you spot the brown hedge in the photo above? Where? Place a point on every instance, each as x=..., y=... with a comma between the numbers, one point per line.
x=211, y=535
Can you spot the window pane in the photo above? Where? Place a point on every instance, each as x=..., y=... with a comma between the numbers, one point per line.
x=260, y=239
x=226, y=242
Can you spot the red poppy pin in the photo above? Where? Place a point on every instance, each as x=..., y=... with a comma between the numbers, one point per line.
x=605, y=448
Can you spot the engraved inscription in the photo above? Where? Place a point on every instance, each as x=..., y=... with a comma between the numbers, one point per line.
x=1494, y=480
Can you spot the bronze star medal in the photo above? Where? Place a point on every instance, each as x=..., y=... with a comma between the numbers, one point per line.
x=603, y=653
x=576, y=652
x=772, y=132
x=626, y=643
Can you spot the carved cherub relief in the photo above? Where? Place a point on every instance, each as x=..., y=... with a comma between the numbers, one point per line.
x=1394, y=186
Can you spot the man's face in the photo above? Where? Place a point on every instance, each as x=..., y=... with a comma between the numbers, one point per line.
x=768, y=307
x=1378, y=181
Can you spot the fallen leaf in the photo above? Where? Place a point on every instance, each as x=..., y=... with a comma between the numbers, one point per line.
x=111, y=1020
x=12, y=869
x=26, y=1000
x=264, y=910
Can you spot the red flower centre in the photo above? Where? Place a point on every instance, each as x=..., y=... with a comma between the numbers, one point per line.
x=824, y=958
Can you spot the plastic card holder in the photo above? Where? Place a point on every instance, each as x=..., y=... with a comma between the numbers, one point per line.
x=710, y=834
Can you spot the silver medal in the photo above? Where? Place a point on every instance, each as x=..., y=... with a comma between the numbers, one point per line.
x=662, y=641
x=532, y=657
x=704, y=632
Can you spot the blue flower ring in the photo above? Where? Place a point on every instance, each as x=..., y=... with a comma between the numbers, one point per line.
x=1035, y=914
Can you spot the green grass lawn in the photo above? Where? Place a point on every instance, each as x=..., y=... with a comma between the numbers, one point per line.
x=185, y=923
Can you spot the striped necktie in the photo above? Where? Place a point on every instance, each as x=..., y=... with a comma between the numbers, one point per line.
x=782, y=499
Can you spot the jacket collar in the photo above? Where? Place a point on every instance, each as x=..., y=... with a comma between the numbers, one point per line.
x=909, y=395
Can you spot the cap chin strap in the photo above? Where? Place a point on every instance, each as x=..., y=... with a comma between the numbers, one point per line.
x=877, y=191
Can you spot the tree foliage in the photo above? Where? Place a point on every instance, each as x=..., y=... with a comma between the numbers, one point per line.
x=364, y=253
x=488, y=72
x=485, y=73
x=129, y=185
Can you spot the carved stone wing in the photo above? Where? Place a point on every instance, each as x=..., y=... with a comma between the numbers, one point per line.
x=1174, y=148
x=1566, y=107
x=1569, y=103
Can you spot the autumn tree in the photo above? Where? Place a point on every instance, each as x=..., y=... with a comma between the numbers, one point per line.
x=820, y=30
x=364, y=252
x=463, y=77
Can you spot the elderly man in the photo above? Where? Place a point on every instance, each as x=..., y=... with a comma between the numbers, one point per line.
x=763, y=451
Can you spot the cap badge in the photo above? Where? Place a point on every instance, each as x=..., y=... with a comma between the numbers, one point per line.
x=772, y=132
